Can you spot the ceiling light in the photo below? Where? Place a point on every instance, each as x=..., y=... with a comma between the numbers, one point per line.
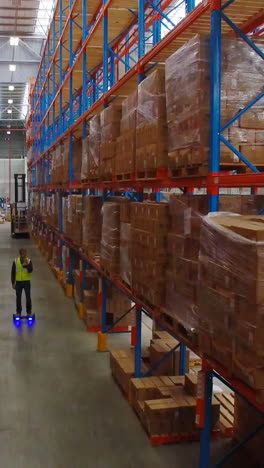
x=12, y=67
x=8, y=132
x=11, y=88
x=10, y=101
x=14, y=41
x=9, y=111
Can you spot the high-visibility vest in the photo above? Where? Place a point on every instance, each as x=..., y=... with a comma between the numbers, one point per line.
x=21, y=273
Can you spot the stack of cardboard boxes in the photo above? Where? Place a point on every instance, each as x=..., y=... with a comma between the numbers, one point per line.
x=92, y=225
x=110, y=241
x=166, y=405
x=151, y=131
x=231, y=299
x=150, y=222
x=183, y=247
x=110, y=131
x=126, y=143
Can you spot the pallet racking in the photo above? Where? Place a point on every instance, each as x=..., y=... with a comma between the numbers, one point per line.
x=97, y=52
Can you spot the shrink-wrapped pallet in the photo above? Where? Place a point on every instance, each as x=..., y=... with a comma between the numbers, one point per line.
x=231, y=297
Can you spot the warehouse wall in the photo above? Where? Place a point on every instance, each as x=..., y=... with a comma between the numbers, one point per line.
x=13, y=144
x=17, y=167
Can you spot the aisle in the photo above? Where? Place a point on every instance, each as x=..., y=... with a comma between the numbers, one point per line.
x=59, y=407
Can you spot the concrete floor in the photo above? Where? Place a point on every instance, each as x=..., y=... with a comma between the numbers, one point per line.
x=59, y=405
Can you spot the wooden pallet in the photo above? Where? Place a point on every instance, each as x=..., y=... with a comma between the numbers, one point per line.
x=181, y=331
x=92, y=180
x=226, y=401
x=158, y=173
x=190, y=171
x=129, y=176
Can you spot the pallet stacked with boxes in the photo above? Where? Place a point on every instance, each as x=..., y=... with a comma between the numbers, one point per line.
x=231, y=284
x=188, y=104
x=166, y=405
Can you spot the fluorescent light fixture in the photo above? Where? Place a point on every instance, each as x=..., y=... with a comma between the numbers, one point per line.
x=14, y=41
x=11, y=88
x=12, y=67
x=10, y=101
x=9, y=111
x=8, y=132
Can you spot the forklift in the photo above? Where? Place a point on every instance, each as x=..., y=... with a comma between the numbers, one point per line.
x=19, y=212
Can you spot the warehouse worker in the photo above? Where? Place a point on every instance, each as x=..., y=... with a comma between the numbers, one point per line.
x=20, y=276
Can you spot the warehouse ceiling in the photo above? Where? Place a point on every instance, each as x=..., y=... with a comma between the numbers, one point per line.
x=26, y=22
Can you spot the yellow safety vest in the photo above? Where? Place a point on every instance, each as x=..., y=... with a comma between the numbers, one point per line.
x=21, y=273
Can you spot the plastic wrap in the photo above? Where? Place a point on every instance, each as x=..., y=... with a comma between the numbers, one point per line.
x=110, y=241
x=151, y=98
x=74, y=218
x=151, y=131
x=94, y=142
x=92, y=225
x=64, y=173
x=110, y=131
x=129, y=113
x=183, y=246
x=231, y=283
x=77, y=159
x=125, y=253
x=85, y=144
x=149, y=250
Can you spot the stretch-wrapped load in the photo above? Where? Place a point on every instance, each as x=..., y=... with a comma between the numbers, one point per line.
x=231, y=295
x=151, y=131
x=188, y=102
x=149, y=223
x=110, y=242
x=183, y=245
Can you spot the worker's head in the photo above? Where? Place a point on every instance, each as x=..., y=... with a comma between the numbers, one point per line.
x=23, y=253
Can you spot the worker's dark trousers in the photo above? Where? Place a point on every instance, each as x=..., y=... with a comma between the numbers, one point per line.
x=20, y=285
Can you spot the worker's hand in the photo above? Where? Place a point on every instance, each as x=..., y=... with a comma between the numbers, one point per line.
x=26, y=262
x=14, y=285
